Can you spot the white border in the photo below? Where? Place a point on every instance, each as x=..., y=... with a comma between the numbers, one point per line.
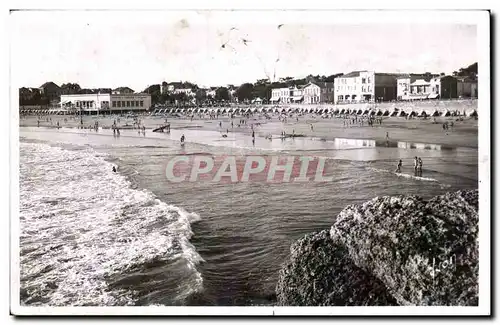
x=482, y=21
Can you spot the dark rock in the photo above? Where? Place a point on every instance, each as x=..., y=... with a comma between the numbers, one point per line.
x=425, y=252
x=320, y=273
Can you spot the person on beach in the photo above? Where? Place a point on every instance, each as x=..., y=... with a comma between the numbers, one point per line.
x=38, y=122
x=312, y=128
x=400, y=164
x=182, y=138
x=387, y=135
x=416, y=166
x=114, y=169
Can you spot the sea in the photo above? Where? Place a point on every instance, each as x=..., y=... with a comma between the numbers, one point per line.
x=90, y=236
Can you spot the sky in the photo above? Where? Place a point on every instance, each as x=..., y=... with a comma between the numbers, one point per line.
x=138, y=48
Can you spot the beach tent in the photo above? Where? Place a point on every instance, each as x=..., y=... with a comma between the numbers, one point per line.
x=447, y=113
x=473, y=113
x=400, y=113
x=436, y=113
x=372, y=112
x=423, y=113
x=413, y=113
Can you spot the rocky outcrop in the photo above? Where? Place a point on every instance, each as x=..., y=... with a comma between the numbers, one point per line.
x=320, y=273
x=390, y=250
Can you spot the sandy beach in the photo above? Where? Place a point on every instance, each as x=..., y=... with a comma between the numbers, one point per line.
x=462, y=134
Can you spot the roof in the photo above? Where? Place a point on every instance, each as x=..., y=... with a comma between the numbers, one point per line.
x=351, y=74
x=123, y=89
x=323, y=84
x=465, y=79
x=49, y=84
x=175, y=84
x=420, y=82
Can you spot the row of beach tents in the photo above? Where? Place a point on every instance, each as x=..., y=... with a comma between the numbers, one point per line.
x=318, y=110
x=399, y=112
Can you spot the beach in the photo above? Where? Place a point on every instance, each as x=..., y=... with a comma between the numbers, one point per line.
x=134, y=238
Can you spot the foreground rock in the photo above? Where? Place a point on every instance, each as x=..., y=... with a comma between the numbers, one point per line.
x=320, y=273
x=390, y=250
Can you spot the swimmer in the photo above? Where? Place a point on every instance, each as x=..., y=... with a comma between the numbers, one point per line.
x=400, y=164
x=114, y=169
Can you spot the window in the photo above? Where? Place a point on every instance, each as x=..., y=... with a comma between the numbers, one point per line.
x=136, y=103
x=141, y=103
x=369, y=80
x=128, y=103
x=114, y=103
x=363, y=80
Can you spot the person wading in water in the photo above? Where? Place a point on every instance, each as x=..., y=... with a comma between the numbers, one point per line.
x=400, y=164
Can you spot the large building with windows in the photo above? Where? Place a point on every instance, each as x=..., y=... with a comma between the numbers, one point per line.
x=365, y=86
x=106, y=103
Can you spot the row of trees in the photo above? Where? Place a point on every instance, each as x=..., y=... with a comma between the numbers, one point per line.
x=470, y=71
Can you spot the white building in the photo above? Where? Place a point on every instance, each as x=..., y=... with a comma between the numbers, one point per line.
x=211, y=93
x=280, y=95
x=355, y=86
x=106, y=102
x=418, y=87
x=312, y=94
x=297, y=94
x=187, y=91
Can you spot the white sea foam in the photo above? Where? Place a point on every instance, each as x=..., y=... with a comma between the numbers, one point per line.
x=427, y=179
x=81, y=222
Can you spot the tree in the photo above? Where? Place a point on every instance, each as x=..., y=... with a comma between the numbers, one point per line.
x=221, y=94
x=245, y=92
x=332, y=77
x=155, y=92
x=200, y=96
x=70, y=88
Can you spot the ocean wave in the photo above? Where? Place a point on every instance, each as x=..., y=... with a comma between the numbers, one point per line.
x=420, y=178
x=81, y=223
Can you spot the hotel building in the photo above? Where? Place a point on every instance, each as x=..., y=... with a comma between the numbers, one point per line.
x=365, y=86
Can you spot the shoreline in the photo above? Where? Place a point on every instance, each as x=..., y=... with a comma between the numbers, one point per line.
x=462, y=134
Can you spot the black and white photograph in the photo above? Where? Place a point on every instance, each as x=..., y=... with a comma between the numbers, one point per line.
x=250, y=162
